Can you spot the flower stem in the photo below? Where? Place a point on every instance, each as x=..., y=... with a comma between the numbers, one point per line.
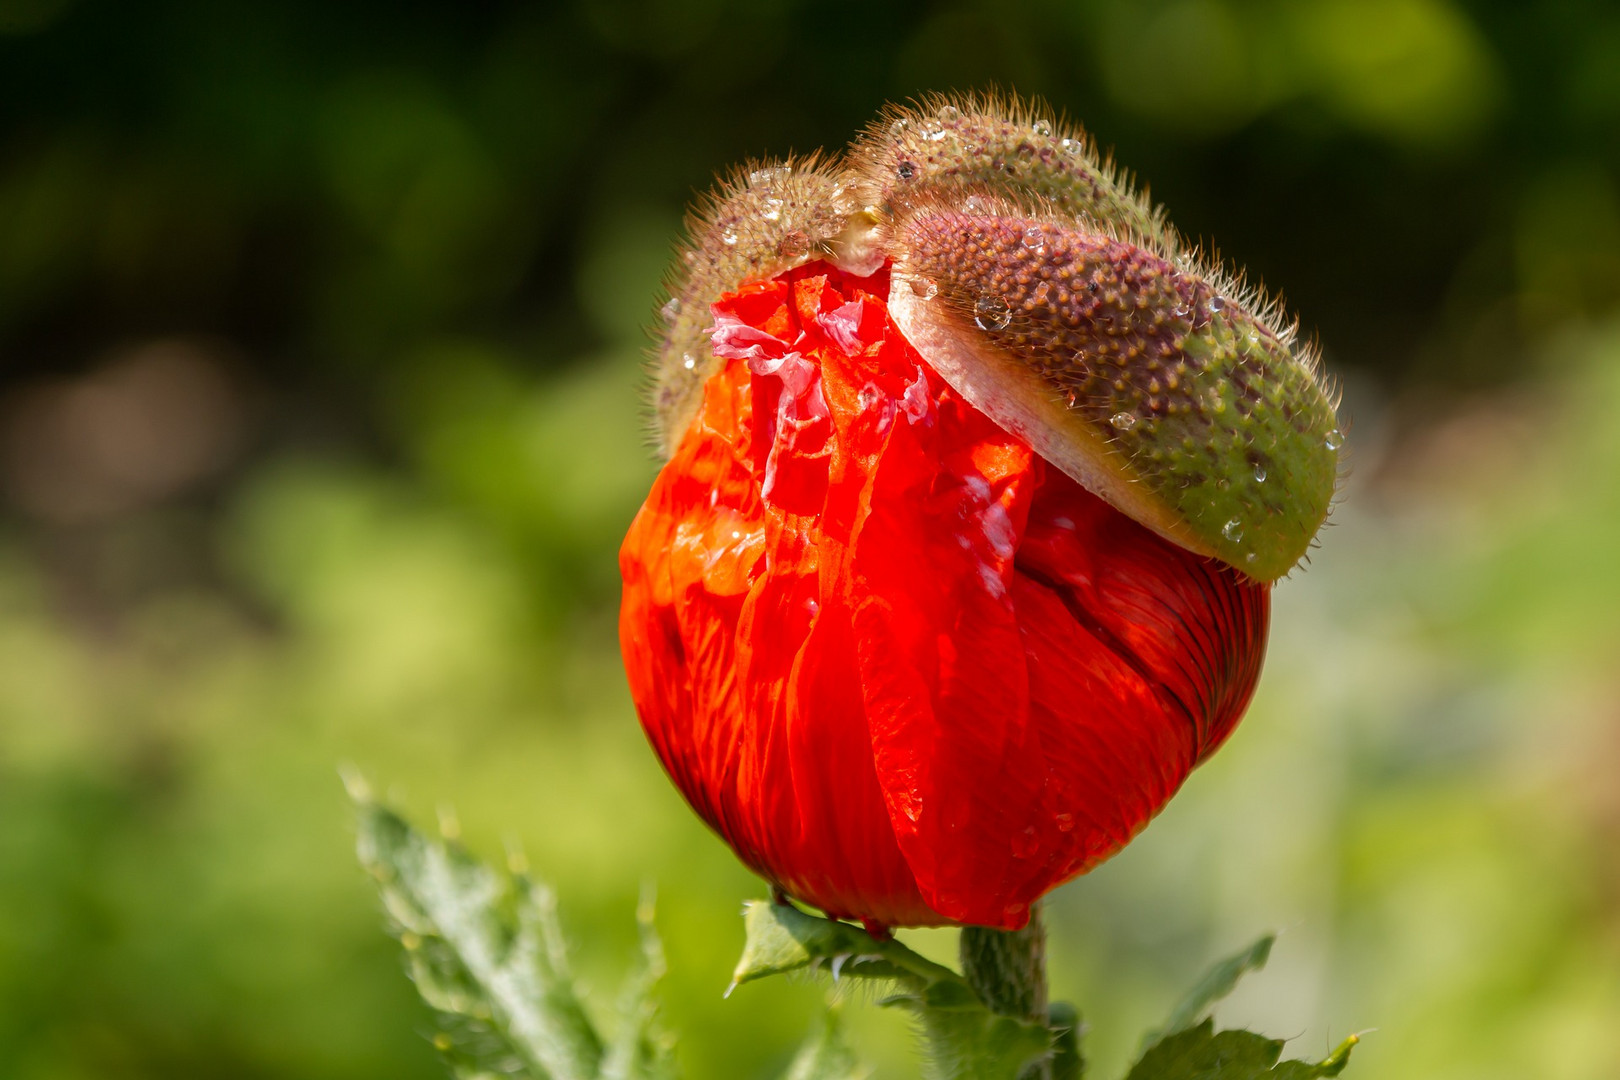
x=1007, y=968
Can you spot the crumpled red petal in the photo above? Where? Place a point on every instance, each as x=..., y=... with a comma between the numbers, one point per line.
x=910, y=673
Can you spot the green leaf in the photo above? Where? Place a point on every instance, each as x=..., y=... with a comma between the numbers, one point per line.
x=825, y=1055
x=781, y=938
x=1332, y=1065
x=966, y=1041
x=1202, y=1053
x=963, y=1039
x=641, y=1050
x=1216, y=983
x=1068, y=1061
x=486, y=953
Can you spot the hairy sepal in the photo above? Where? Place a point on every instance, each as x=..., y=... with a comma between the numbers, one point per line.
x=1004, y=146
x=767, y=217
x=1135, y=373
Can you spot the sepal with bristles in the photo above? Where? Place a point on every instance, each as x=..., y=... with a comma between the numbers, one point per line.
x=1134, y=374
x=766, y=218
x=1003, y=147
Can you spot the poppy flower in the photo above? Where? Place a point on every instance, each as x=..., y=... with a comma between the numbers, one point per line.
x=976, y=481
x=912, y=673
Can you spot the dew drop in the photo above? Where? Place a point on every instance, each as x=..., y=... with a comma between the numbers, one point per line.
x=1070, y=146
x=906, y=170
x=1259, y=474
x=671, y=309
x=728, y=238
x=898, y=128
x=935, y=133
x=1064, y=822
x=1034, y=237
x=1042, y=127
x=924, y=288
x=1217, y=304
x=1122, y=421
x=793, y=244
x=687, y=362
x=991, y=313
x=1335, y=439
x=973, y=205
x=1072, y=400
x=772, y=211
x=1233, y=530
x=949, y=114
x=1182, y=310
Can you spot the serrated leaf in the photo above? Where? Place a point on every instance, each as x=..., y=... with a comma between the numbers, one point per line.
x=1068, y=1062
x=486, y=953
x=1215, y=984
x=781, y=938
x=963, y=1039
x=1202, y=1053
x=825, y=1055
x=1332, y=1065
x=640, y=1049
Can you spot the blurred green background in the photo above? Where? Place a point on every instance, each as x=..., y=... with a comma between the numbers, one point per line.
x=319, y=335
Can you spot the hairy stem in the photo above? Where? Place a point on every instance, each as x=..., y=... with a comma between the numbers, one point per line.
x=1007, y=968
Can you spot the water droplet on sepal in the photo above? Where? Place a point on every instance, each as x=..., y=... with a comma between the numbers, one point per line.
x=991, y=313
x=794, y=244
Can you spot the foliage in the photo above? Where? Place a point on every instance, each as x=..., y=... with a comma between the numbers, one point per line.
x=485, y=951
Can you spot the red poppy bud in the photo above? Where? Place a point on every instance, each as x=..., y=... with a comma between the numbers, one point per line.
x=912, y=673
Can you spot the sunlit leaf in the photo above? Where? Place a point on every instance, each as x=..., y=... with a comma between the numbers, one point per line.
x=486, y=953
x=963, y=1040
x=1202, y=1053
x=1216, y=983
